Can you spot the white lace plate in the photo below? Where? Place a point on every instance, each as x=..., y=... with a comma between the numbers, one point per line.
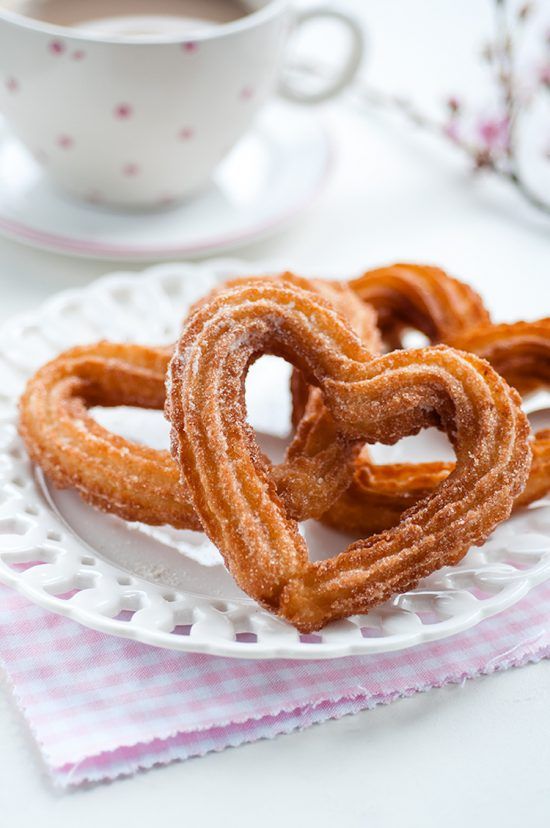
x=169, y=588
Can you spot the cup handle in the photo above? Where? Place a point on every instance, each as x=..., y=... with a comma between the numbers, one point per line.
x=346, y=72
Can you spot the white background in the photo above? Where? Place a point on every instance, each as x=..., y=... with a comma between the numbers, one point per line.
x=477, y=754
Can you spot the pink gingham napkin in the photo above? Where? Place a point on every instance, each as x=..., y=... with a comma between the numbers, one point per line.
x=101, y=707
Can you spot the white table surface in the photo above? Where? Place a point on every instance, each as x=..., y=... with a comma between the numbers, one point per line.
x=475, y=754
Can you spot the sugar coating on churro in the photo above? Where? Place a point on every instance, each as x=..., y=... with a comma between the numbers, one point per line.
x=370, y=398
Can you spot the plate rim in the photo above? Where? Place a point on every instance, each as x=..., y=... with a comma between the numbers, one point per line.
x=299, y=651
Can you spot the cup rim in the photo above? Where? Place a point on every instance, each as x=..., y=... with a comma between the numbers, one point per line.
x=270, y=9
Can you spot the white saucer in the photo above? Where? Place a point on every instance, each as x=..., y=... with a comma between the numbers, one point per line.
x=272, y=174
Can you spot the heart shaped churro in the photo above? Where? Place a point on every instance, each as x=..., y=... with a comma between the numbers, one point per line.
x=372, y=399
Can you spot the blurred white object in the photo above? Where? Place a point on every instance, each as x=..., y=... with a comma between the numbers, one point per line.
x=135, y=120
x=273, y=173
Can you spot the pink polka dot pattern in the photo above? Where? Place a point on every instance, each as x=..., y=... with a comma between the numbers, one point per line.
x=190, y=46
x=12, y=84
x=246, y=93
x=123, y=111
x=65, y=141
x=186, y=134
x=130, y=170
x=80, y=54
x=56, y=47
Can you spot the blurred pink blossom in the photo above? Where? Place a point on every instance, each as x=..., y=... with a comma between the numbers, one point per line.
x=494, y=133
x=491, y=138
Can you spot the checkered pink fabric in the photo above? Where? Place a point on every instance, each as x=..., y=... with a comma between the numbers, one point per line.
x=100, y=707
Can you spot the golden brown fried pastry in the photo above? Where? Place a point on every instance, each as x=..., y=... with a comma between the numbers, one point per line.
x=422, y=298
x=404, y=296
x=114, y=474
x=137, y=482
x=373, y=399
x=379, y=494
